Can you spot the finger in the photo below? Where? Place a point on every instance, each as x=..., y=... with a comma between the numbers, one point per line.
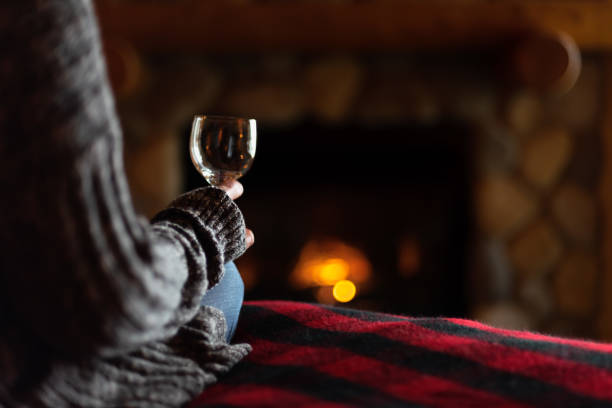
x=233, y=188
x=250, y=238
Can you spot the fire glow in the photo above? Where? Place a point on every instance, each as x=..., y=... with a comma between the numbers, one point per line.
x=333, y=267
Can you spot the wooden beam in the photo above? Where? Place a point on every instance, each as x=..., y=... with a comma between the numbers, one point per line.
x=366, y=25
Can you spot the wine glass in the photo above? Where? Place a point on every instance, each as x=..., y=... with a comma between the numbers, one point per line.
x=222, y=147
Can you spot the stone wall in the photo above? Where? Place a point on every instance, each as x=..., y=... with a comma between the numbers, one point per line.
x=538, y=211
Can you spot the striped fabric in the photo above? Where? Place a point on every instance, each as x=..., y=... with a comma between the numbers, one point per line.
x=308, y=355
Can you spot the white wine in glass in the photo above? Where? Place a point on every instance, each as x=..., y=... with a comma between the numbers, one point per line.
x=222, y=148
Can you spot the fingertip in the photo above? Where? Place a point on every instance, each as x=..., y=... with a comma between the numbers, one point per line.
x=239, y=188
x=233, y=188
x=250, y=238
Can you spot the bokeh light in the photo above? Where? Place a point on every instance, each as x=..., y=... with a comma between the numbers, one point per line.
x=344, y=291
x=324, y=263
x=330, y=271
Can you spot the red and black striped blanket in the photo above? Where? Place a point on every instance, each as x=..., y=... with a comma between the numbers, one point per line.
x=308, y=355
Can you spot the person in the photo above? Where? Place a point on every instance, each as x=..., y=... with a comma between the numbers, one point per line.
x=98, y=306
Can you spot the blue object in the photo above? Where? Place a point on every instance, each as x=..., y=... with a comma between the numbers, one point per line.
x=227, y=296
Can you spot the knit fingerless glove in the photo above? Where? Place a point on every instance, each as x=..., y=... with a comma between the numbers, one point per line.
x=217, y=223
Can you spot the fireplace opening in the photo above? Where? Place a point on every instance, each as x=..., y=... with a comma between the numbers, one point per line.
x=374, y=217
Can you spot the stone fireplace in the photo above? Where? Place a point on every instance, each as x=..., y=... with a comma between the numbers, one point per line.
x=464, y=192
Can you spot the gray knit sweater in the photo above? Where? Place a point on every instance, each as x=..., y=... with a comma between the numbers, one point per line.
x=98, y=307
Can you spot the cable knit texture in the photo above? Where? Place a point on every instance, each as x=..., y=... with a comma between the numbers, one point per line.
x=217, y=223
x=98, y=307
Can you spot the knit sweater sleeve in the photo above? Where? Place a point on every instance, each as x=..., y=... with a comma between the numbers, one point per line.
x=80, y=270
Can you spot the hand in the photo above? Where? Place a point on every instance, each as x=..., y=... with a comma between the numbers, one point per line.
x=234, y=190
